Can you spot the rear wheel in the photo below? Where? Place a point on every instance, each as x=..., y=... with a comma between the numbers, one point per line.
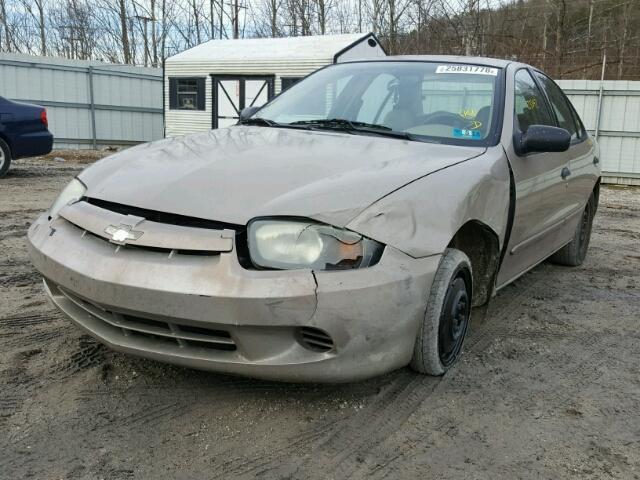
x=446, y=319
x=5, y=158
x=574, y=253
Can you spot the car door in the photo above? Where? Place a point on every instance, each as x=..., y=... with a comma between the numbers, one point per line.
x=583, y=170
x=541, y=184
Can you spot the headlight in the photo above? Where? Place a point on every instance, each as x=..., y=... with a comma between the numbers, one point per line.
x=282, y=244
x=71, y=193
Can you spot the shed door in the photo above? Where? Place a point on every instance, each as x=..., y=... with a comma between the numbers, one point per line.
x=233, y=93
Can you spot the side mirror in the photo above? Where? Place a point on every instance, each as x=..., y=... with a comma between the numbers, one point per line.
x=247, y=113
x=542, y=138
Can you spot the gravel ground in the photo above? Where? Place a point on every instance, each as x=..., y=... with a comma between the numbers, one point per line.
x=548, y=387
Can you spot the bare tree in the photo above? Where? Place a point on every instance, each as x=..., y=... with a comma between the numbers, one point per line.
x=5, y=27
x=567, y=38
x=124, y=20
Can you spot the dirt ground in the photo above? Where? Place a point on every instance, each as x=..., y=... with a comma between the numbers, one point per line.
x=548, y=387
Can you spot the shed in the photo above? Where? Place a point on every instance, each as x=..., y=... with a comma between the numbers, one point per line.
x=208, y=85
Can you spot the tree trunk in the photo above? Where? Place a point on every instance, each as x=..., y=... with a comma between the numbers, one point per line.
x=43, y=43
x=588, y=47
x=196, y=18
x=126, y=51
x=561, y=14
x=544, y=41
x=274, y=18
x=212, y=21
x=623, y=40
x=154, y=39
x=5, y=28
x=391, y=5
x=163, y=43
x=322, y=16
x=236, y=19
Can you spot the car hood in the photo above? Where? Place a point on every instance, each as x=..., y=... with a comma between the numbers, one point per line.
x=239, y=173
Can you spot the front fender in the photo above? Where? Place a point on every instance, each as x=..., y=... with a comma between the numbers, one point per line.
x=421, y=218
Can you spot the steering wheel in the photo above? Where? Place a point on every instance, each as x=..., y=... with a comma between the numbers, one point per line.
x=445, y=118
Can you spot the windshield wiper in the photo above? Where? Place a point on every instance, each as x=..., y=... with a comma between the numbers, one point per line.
x=354, y=126
x=264, y=122
x=340, y=122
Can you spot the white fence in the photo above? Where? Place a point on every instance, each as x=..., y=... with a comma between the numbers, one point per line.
x=89, y=104
x=616, y=124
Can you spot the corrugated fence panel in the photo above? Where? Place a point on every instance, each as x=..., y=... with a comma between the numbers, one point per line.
x=69, y=123
x=619, y=128
x=127, y=101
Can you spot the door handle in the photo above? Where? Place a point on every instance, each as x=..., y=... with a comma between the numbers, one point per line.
x=565, y=173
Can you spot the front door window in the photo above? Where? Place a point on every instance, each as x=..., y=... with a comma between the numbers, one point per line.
x=530, y=105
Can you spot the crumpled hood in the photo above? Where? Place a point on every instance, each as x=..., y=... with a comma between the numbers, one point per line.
x=239, y=173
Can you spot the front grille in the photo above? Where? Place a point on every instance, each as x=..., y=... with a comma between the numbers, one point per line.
x=315, y=339
x=174, y=332
x=129, y=246
x=162, y=217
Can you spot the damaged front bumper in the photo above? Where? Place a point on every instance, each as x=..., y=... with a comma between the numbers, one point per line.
x=206, y=311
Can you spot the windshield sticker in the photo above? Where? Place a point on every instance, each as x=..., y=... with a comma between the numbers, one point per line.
x=468, y=113
x=467, y=134
x=468, y=69
x=532, y=103
x=474, y=125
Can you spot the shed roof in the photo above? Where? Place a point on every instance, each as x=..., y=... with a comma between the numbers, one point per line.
x=292, y=48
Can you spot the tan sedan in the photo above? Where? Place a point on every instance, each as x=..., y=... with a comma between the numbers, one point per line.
x=343, y=230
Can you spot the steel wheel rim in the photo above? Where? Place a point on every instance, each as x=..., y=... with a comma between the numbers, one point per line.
x=454, y=320
x=1, y=158
x=584, y=230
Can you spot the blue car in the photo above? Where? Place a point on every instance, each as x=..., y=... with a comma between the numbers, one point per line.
x=23, y=132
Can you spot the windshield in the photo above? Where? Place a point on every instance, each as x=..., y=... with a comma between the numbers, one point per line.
x=446, y=103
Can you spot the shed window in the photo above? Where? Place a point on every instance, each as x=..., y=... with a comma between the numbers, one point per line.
x=186, y=93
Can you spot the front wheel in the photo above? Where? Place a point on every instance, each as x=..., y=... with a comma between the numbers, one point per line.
x=5, y=158
x=447, y=316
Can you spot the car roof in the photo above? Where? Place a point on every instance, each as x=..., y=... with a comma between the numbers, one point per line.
x=484, y=61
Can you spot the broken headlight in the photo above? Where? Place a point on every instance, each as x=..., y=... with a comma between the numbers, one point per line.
x=73, y=192
x=291, y=244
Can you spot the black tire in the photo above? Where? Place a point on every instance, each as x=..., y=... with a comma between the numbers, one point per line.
x=5, y=158
x=574, y=252
x=447, y=316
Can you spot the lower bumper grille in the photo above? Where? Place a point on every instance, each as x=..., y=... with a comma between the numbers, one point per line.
x=178, y=334
x=315, y=339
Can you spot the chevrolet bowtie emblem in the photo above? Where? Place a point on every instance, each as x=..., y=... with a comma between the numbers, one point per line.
x=122, y=233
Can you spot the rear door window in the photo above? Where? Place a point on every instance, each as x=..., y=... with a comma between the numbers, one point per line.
x=560, y=105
